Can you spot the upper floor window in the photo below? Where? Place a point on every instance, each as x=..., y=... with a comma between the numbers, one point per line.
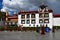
x=40, y=15
x=46, y=15
x=28, y=16
x=22, y=16
x=33, y=15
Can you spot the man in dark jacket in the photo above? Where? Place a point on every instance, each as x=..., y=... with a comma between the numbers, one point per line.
x=37, y=29
x=53, y=29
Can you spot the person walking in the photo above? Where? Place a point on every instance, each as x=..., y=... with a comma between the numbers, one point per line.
x=37, y=29
x=53, y=29
x=42, y=30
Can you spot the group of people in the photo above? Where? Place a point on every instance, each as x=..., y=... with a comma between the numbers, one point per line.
x=43, y=29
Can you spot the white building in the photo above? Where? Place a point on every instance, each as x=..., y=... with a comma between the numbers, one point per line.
x=43, y=16
x=56, y=20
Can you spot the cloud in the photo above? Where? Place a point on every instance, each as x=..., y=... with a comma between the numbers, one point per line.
x=55, y=5
x=17, y=5
x=28, y=5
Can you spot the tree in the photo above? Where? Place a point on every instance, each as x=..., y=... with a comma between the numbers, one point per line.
x=1, y=16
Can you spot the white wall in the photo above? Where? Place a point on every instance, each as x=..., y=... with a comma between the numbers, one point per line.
x=56, y=21
x=50, y=20
x=50, y=24
x=19, y=20
x=27, y=25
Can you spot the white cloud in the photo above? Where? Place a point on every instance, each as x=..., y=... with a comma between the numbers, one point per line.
x=17, y=5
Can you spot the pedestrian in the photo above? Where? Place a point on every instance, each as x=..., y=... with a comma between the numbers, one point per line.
x=42, y=30
x=53, y=29
x=47, y=29
x=37, y=29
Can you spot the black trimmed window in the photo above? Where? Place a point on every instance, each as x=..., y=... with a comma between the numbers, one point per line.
x=33, y=21
x=28, y=21
x=46, y=20
x=46, y=15
x=40, y=21
x=28, y=15
x=22, y=21
x=40, y=15
x=32, y=15
x=22, y=16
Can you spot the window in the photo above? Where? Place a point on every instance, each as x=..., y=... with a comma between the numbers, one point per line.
x=46, y=21
x=6, y=23
x=40, y=21
x=13, y=23
x=28, y=21
x=40, y=15
x=28, y=16
x=33, y=15
x=33, y=21
x=9, y=23
x=22, y=16
x=22, y=21
x=0, y=19
x=46, y=15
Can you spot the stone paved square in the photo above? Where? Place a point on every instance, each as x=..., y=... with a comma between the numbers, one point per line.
x=29, y=36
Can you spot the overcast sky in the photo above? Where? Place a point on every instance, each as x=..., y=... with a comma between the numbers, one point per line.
x=28, y=5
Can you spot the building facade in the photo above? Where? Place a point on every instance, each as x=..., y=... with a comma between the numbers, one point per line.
x=56, y=19
x=11, y=20
x=43, y=16
x=2, y=18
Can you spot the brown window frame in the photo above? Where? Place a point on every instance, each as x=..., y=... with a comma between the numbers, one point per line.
x=22, y=16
